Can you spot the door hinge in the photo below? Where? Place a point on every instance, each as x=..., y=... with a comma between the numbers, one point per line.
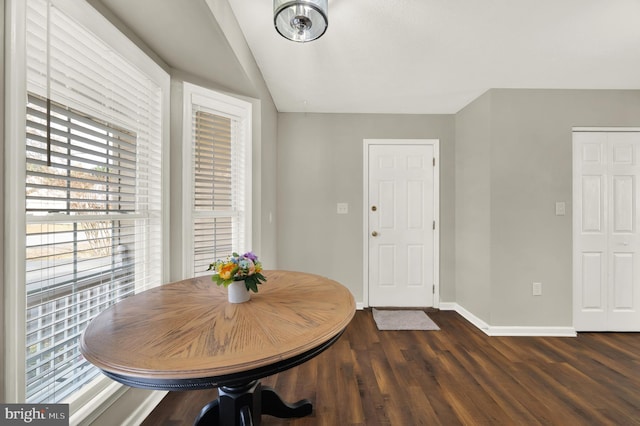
x=433, y=289
x=434, y=225
x=434, y=161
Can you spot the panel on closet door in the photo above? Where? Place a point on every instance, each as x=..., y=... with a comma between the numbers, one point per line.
x=623, y=203
x=592, y=203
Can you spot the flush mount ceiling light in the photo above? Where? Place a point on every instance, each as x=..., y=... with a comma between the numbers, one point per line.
x=300, y=20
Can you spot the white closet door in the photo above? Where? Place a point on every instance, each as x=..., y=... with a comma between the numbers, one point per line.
x=606, y=236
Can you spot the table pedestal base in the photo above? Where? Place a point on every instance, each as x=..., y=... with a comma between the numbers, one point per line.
x=244, y=405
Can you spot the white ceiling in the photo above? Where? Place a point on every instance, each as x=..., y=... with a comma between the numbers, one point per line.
x=400, y=56
x=435, y=56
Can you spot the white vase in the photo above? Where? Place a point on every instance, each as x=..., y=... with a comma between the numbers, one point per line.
x=237, y=292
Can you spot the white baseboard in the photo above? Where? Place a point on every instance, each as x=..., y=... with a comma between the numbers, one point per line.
x=452, y=306
x=532, y=331
x=360, y=306
x=448, y=306
x=508, y=330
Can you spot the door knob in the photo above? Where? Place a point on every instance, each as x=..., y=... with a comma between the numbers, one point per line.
x=374, y=208
x=374, y=234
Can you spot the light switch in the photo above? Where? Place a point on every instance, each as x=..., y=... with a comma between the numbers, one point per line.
x=343, y=208
x=536, y=289
x=560, y=208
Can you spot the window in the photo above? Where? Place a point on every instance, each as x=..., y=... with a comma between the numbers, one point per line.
x=91, y=157
x=219, y=187
x=76, y=166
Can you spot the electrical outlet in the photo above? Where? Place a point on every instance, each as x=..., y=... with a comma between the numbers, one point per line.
x=342, y=208
x=536, y=289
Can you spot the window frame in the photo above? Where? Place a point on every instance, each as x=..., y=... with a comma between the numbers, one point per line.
x=62, y=306
x=102, y=388
x=226, y=106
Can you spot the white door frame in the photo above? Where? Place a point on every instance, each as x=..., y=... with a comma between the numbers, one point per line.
x=436, y=212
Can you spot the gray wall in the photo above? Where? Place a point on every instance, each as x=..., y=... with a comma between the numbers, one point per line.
x=473, y=207
x=526, y=135
x=320, y=163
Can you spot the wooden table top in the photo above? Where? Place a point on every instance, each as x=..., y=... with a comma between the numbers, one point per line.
x=187, y=329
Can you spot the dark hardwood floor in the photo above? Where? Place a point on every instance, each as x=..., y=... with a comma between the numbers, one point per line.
x=456, y=376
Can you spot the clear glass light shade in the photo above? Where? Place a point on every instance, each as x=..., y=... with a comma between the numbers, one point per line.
x=301, y=20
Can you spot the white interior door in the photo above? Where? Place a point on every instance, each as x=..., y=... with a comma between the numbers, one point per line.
x=401, y=224
x=606, y=236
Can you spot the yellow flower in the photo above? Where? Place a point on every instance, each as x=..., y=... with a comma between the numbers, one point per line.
x=227, y=271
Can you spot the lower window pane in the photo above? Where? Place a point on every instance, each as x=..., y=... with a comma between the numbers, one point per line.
x=75, y=270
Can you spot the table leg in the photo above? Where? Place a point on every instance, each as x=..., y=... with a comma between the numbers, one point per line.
x=273, y=405
x=244, y=405
x=209, y=414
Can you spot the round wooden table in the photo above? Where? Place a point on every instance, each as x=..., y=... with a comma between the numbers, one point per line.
x=186, y=335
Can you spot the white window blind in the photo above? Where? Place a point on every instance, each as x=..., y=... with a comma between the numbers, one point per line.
x=220, y=190
x=93, y=193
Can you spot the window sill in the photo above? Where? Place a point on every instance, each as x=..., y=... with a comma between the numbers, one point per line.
x=105, y=400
